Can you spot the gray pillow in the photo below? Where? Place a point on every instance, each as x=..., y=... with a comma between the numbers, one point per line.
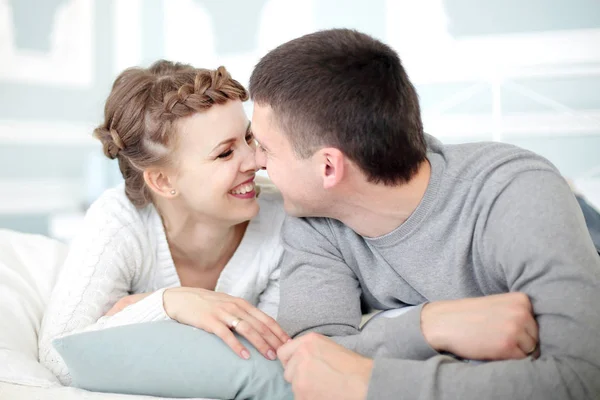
x=168, y=359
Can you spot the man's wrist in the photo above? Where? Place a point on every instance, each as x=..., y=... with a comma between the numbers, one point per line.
x=364, y=377
x=429, y=327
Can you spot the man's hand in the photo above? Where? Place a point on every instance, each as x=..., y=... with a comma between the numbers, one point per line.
x=319, y=368
x=498, y=327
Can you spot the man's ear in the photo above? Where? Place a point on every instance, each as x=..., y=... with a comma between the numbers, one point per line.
x=332, y=166
x=159, y=182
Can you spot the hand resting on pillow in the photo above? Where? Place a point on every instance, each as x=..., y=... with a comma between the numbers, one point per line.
x=169, y=359
x=214, y=312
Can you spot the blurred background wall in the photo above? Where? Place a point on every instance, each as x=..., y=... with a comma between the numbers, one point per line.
x=520, y=71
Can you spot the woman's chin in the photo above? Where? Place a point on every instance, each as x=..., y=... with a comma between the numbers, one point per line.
x=244, y=210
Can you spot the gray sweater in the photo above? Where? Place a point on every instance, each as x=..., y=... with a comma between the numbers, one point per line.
x=494, y=219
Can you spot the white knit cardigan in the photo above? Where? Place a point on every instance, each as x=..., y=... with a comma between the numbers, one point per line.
x=123, y=250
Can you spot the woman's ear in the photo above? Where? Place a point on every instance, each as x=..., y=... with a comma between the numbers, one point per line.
x=332, y=166
x=159, y=182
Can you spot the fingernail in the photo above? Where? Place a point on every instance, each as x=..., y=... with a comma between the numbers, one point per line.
x=245, y=354
x=271, y=355
x=289, y=340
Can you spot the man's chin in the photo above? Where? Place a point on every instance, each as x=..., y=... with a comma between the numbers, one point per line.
x=292, y=210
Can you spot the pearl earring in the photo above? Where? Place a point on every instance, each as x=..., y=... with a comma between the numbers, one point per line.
x=173, y=192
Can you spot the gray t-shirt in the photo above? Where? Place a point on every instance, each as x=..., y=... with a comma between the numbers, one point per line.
x=494, y=219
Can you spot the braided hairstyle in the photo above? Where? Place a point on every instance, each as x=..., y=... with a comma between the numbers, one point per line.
x=141, y=112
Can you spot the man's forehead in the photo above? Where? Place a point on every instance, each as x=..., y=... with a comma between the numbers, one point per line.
x=263, y=113
x=262, y=120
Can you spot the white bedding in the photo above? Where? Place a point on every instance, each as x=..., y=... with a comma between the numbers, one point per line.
x=10, y=391
x=29, y=266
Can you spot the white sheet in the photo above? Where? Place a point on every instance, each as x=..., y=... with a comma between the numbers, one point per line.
x=29, y=266
x=10, y=391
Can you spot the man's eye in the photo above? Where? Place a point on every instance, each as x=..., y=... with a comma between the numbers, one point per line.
x=249, y=137
x=225, y=154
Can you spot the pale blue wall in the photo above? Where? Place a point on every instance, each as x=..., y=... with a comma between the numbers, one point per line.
x=237, y=24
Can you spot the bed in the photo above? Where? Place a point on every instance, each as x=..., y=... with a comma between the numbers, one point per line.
x=29, y=265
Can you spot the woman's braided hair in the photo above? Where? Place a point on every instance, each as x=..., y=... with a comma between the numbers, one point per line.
x=141, y=112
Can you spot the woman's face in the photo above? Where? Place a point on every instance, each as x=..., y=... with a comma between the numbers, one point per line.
x=215, y=164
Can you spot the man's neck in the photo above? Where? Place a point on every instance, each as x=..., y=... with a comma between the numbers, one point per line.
x=373, y=210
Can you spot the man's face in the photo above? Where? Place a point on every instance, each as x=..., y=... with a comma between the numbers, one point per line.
x=296, y=178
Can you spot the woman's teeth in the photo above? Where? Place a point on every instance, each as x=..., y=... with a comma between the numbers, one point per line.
x=243, y=189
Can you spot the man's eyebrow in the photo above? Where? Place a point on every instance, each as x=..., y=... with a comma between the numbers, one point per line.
x=260, y=143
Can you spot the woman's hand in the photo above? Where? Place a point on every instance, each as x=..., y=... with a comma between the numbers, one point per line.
x=126, y=301
x=220, y=313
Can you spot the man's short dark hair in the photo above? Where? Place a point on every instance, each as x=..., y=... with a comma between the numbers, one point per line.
x=345, y=89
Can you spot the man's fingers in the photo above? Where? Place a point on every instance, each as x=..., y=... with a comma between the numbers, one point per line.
x=286, y=351
x=532, y=329
x=290, y=369
x=526, y=345
x=528, y=338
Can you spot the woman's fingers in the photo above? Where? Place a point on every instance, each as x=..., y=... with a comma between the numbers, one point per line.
x=265, y=333
x=269, y=322
x=220, y=329
x=219, y=313
x=244, y=328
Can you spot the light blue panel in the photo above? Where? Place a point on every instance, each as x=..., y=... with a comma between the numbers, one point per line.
x=578, y=93
x=33, y=20
x=25, y=223
x=482, y=17
x=463, y=139
x=432, y=94
x=50, y=103
x=572, y=155
x=235, y=23
x=39, y=161
x=153, y=43
x=574, y=92
x=365, y=16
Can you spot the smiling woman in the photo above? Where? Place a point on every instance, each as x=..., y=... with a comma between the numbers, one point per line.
x=185, y=237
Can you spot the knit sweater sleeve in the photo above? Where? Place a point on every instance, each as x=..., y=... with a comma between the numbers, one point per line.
x=103, y=265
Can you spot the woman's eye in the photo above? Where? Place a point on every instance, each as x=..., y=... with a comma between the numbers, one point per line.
x=249, y=138
x=226, y=154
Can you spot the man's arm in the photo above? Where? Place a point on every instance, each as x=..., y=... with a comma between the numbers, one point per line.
x=536, y=234
x=320, y=293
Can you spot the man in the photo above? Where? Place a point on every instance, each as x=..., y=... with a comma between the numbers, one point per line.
x=476, y=238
